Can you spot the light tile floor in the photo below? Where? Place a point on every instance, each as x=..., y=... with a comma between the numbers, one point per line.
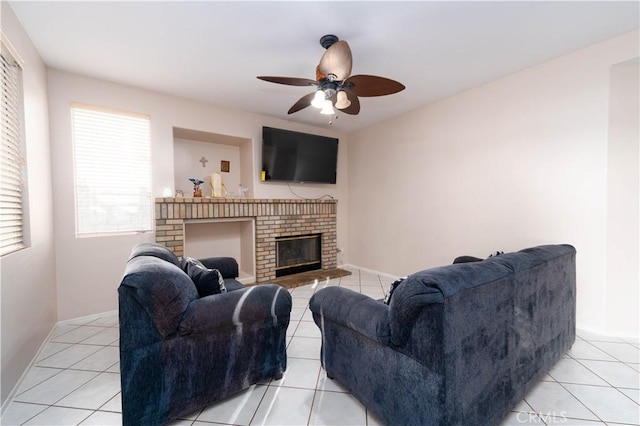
x=76, y=381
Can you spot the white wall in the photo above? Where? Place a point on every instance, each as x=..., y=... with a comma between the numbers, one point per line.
x=623, y=203
x=518, y=162
x=28, y=276
x=90, y=269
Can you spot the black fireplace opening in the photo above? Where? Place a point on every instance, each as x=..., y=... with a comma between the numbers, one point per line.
x=297, y=254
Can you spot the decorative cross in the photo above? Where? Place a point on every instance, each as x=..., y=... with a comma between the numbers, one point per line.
x=203, y=161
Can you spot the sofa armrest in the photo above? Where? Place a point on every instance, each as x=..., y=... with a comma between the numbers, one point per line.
x=357, y=311
x=227, y=266
x=231, y=309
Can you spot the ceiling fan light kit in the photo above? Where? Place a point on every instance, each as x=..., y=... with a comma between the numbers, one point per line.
x=318, y=99
x=336, y=87
x=327, y=109
x=343, y=101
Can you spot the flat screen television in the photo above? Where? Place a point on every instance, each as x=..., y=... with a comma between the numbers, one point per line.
x=298, y=157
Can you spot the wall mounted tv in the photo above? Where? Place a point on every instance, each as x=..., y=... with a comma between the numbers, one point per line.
x=298, y=157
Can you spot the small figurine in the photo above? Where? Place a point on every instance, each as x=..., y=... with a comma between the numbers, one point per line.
x=197, y=192
x=242, y=191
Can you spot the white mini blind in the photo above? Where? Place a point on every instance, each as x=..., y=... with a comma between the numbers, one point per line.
x=112, y=171
x=12, y=162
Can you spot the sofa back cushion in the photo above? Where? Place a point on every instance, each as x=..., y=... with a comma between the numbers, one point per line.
x=533, y=256
x=155, y=250
x=161, y=288
x=437, y=284
x=434, y=286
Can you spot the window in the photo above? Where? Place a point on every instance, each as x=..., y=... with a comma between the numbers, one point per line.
x=12, y=171
x=112, y=157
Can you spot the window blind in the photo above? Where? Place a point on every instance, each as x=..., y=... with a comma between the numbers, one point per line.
x=112, y=159
x=12, y=162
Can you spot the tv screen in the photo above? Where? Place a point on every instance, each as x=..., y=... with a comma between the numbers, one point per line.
x=298, y=157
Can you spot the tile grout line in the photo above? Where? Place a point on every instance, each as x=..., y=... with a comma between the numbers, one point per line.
x=580, y=401
x=99, y=372
x=35, y=415
x=313, y=400
x=579, y=361
x=610, y=386
x=613, y=356
x=47, y=357
x=617, y=388
x=39, y=383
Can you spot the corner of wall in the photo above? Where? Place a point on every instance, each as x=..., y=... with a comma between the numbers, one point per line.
x=29, y=275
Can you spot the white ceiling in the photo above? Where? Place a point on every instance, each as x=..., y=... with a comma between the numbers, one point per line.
x=213, y=51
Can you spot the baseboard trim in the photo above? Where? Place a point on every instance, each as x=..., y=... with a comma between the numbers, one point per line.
x=86, y=319
x=622, y=336
x=372, y=271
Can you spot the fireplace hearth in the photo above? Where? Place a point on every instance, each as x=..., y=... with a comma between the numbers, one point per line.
x=298, y=254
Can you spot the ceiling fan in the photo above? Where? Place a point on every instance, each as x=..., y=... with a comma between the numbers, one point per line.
x=334, y=84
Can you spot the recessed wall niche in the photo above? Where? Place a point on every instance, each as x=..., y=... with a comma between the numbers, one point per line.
x=197, y=154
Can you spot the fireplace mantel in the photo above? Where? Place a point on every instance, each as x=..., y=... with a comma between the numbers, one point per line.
x=273, y=218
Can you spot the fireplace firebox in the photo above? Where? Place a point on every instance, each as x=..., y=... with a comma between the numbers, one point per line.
x=298, y=254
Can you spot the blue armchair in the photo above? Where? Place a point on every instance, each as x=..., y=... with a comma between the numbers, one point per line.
x=180, y=352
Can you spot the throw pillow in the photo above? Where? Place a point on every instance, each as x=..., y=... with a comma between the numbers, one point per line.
x=392, y=288
x=207, y=281
x=466, y=259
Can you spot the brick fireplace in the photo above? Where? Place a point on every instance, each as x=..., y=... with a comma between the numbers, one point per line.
x=273, y=219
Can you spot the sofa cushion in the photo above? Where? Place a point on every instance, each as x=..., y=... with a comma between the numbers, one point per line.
x=231, y=284
x=392, y=288
x=207, y=281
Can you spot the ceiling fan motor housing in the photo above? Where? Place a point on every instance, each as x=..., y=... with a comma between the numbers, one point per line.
x=328, y=40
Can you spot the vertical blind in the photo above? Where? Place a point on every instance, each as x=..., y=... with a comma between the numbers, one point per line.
x=12, y=161
x=112, y=157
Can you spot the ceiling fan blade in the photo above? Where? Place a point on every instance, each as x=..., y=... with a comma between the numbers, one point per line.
x=337, y=60
x=290, y=81
x=302, y=103
x=371, y=85
x=354, y=108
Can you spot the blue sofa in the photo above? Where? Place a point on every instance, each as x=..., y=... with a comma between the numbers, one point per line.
x=457, y=345
x=180, y=352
